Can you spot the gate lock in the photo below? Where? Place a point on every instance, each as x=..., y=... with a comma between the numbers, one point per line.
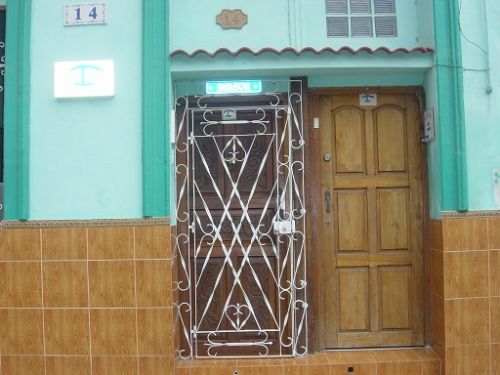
x=284, y=227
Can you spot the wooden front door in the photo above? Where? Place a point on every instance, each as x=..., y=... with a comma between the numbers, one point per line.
x=371, y=220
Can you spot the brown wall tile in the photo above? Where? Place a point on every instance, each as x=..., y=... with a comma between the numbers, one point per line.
x=68, y=366
x=183, y=371
x=154, y=283
x=440, y=352
x=111, y=243
x=152, y=242
x=20, y=244
x=21, y=332
x=65, y=284
x=20, y=285
x=466, y=321
x=350, y=357
x=436, y=228
x=214, y=370
x=266, y=370
x=437, y=272
x=155, y=331
x=64, y=243
x=23, y=365
x=495, y=359
x=113, y=332
x=256, y=362
x=114, y=366
x=437, y=319
x=465, y=274
x=399, y=368
x=301, y=370
x=495, y=320
x=67, y=331
x=465, y=234
x=431, y=368
x=112, y=284
x=494, y=232
x=363, y=369
x=495, y=273
x=395, y=356
x=156, y=365
x=467, y=360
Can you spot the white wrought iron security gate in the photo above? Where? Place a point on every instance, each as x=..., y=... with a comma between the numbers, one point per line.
x=240, y=244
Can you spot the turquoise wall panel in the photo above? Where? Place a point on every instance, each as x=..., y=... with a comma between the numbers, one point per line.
x=481, y=61
x=425, y=25
x=277, y=24
x=433, y=149
x=85, y=159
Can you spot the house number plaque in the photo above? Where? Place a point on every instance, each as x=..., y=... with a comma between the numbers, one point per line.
x=85, y=14
x=232, y=19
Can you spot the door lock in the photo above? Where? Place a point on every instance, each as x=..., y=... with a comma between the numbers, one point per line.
x=327, y=156
x=327, y=202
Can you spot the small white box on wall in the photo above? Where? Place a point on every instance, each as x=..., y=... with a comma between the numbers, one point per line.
x=84, y=79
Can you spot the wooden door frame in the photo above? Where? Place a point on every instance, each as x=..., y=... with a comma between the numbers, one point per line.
x=315, y=269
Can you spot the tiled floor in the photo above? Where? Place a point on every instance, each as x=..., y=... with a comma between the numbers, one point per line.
x=369, y=362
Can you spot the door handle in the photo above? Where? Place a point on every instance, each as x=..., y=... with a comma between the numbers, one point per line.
x=327, y=202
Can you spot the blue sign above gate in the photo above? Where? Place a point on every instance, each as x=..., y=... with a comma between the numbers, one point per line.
x=234, y=87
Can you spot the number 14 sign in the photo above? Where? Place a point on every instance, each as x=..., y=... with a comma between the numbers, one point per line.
x=85, y=14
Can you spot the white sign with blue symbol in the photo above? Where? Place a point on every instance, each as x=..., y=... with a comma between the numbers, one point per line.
x=233, y=87
x=368, y=100
x=84, y=79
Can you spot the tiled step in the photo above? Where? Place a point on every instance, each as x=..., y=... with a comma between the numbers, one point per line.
x=364, y=362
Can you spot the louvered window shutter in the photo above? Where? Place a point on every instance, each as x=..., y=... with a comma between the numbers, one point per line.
x=361, y=18
x=384, y=7
x=336, y=7
x=361, y=7
x=337, y=27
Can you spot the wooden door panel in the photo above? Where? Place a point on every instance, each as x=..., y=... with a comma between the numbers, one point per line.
x=395, y=297
x=351, y=220
x=349, y=140
x=393, y=218
x=210, y=292
x=375, y=339
x=372, y=236
x=354, y=310
x=390, y=133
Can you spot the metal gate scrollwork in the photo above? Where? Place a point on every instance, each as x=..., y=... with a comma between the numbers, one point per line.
x=240, y=246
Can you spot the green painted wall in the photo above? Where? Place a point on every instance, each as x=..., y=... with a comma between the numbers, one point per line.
x=85, y=154
x=480, y=35
x=433, y=148
x=276, y=23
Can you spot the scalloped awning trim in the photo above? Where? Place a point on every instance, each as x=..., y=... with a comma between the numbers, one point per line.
x=301, y=51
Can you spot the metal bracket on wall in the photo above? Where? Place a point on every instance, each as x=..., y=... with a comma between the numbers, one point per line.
x=429, y=126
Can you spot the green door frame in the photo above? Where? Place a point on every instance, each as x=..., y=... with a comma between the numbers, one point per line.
x=155, y=83
x=155, y=109
x=450, y=92
x=17, y=110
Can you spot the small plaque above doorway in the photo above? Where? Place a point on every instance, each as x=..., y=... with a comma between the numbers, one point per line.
x=232, y=19
x=368, y=100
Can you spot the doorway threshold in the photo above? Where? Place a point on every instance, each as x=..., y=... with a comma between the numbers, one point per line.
x=401, y=360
